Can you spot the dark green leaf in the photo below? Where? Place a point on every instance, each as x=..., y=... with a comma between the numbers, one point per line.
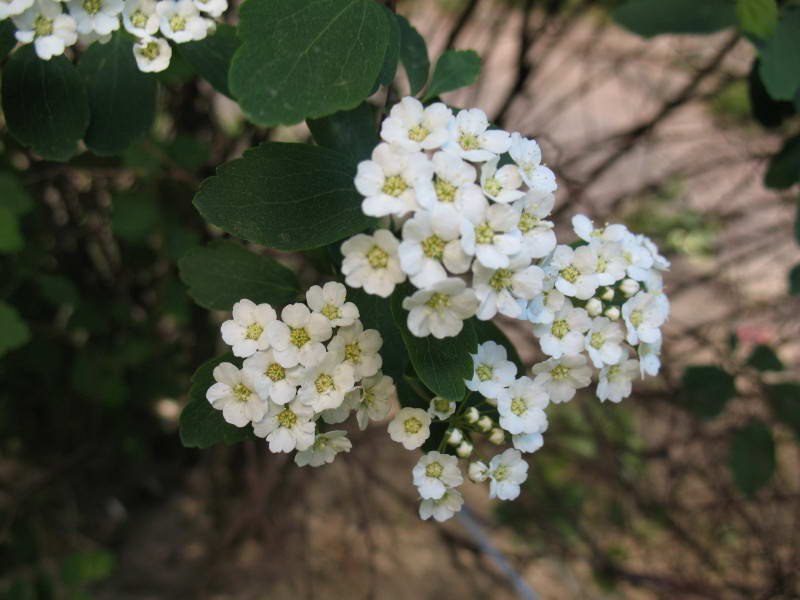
x=135, y=215
x=350, y=132
x=764, y=358
x=13, y=195
x=794, y=280
x=442, y=365
x=58, y=290
x=706, y=389
x=784, y=168
x=488, y=331
x=413, y=55
x=7, y=38
x=768, y=112
x=752, y=457
x=45, y=103
x=10, y=236
x=122, y=99
x=287, y=196
x=306, y=60
x=211, y=57
x=653, y=17
x=759, y=17
x=392, y=54
x=780, y=57
x=454, y=69
x=376, y=313
x=201, y=425
x=784, y=398
x=222, y=273
x=13, y=330
x=187, y=151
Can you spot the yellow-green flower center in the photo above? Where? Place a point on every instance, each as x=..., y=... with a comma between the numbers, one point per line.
x=518, y=407
x=559, y=372
x=433, y=247
x=138, y=19
x=500, y=473
x=602, y=263
x=597, y=340
x=377, y=257
x=560, y=328
x=442, y=405
x=394, y=185
x=150, y=51
x=369, y=397
x=412, y=425
x=331, y=312
x=241, y=392
x=613, y=371
x=570, y=273
x=438, y=301
x=527, y=222
x=352, y=352
x=484, y=372
x=92, y=6
x=324, y=383
x=484, y=234
x=286, y=418
x=418, y=133
x=501, y=279
x=493, y=186
x=177, y=23
x=434, y=469
x=42, y=26
x=275, y=372
x=254, y=331
x=320, y=442
x=468, y=141
x=636, y=318
x=445, y=191
x=299, y=336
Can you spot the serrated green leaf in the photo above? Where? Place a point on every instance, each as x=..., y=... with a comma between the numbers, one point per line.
x=784, y=399
x=13, y=330
x=10, y=235
x=201, y=425
x=413, y=55
x=222, y=273
x=764, y=358
x=780, y=57
x=488, y=331
x=442, y=365
x=706, y=390
x=376, y=313
x=392, y=54
x=286, y=196
x=759, y=17
x=654, y=17
x=122, y=99
x=784, y=167
x=306, y=60
x=454, y=69
x=45, y=103
x=350, y=132
x=752, y=457
x=211, y=57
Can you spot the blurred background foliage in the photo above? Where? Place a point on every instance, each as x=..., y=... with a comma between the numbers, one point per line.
x=689, y=489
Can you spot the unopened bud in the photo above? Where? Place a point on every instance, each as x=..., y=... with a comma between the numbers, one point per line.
x=629, y=287
x=607, y=294
x=472, y=415
x=498, y=436
x=464, y=449
x=477, y=471
x=594, y=307
x=454, y=437
x=485, y=423
x=613, y=313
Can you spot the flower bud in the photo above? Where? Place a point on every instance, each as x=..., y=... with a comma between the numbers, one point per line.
x=485, y=423
x=613, y=313
x=498, y=436
x=454, y=437
x=607, y=294
x=629, y=287
x=464, y=449
x=594, y=307
x=472, y=415
x=478, y=471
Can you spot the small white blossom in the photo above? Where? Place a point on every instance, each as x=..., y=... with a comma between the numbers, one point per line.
x=298, y=337
x=139, y=18
x=464, y=449
x=12, y=8
x=659, y=262
x=594, y=307
x=453, y=185
x=454, y=437
x=388, y=181
x=372, y=262
x=469, y=138
x=616, y=380
x=501, y=185
x=612, y=312
x=246, y=333
x=326, y=383
x=562, y=376
x=528, y=157
x=507, y=290
x=491, y=235
x=650, y=358
x=478, y=471
x=239, y=394
x=375, y=400
x=181, y=21
x=413, y=127
x=440, y=310
x=279, y=382
x=471, y=415
x=543, y=308
x=434, y=473
x=604, y=342
x=334, y=416
x=152, y=54
x=629, y=287
x=287, y=427
x=497, y=436
x=329, y=301
x=359, y=349
x=538, y=238
x=441, y=408
x=564, y=336
x=522, y=409
x=611, y=264
x=644, y=314
x=493, y=371
x=528, y=442
x=96, y=16
x=213, y=8
x=44, y=25
x=324, y=449
x=443, y=508
x=411, y=427
x=638, y=259
x=507, y=471
x=574, y=270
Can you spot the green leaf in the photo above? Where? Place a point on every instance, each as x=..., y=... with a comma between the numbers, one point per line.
x=13, y=330
x=784, y=167
x=201, y=425
x=10, y=236
x=7, y=38
x=706, y=389
x=794, y=281
x=222, y=273
x=488, y=331
x=784, y=398
x=310, y=59
x=767, y=111
x=211, y=57
x=350, y=132
x=780, y=57
x=135, y=215
x=454, y=69
x=413, y=55
x=286, y=196
x=653, y=17
x=45, y=103
x=392, y=54
x=376, y=313
x=442, y=365
x=759, y=17
x=122, y=99
x=764, y=358
x=752, y=457
x=13, y=194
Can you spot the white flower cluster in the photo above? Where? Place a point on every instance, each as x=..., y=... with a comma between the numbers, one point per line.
x=317, y=362
x=53, y=25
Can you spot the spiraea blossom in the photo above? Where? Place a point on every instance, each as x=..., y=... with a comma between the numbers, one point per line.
x=246, y=332
x=411, y=427
x=493, y=371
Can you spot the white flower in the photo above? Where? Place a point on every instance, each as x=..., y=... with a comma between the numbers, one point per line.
x=565, y=335
x=431, y=243
x=638, y=259
x=330, y=302
x=528, y=442
x=440, y=310
x=98, y=16
x=538, y=238
x=359, y=349
x=659, y=262
x=239, y=394
x=246, y=333
x=493, y=371
x=50, y=30
x=351, y=401
x=644, y=314
x=279, y=382
x=375, y=399
x=478, y=471
x=501, y=185
x=574, y=270
x=584, y=229
x=413, y=127
x=434, y=473
x=616, y=380
x=387, y=181
x=12, y=8
x=181, y=21
x=562, y=376
x=507, y=471
x=326, y=383
x=371, y=262
x=491, y=235
x=603, y=342
x=411, y=427
x=469, y=138
x=506, y=290
x=152, y=54
x=442, y=508
x=287, y=427
x=298, y=337
x=543, y=308
x=611, y=264
x=528, y=156
x=441, y=408
x=453, y=185
x=139, y=17
x=324, y=449
x=213, y=8
x=522, y=409
x=650, y=358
